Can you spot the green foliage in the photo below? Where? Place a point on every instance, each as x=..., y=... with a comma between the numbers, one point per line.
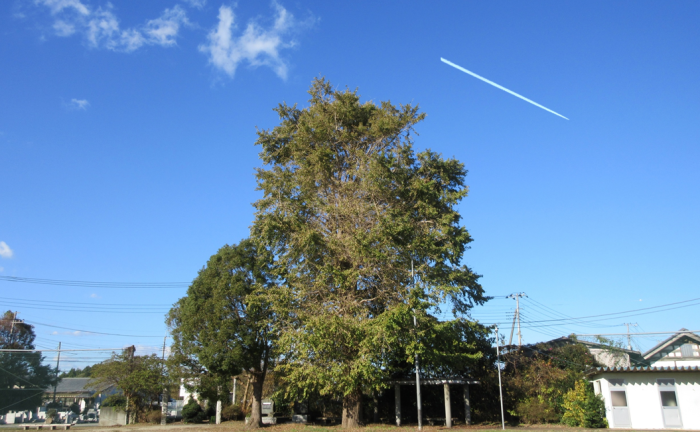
x=77, y=373
x=115, y=400
x=193, y=413
x=224, y=324
x=538, y=378
x=75, y=408
x=583, y=408
x=23, y=377
x=140, y=378
x=232, y=412
x=347, y=208
x=51, y=414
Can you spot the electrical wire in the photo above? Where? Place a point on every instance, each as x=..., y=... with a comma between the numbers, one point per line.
x=92, y=284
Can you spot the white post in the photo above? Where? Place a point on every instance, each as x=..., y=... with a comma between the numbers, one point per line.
x=218, y=412
x=233, y=399
x=448, y=406
x=500, y=388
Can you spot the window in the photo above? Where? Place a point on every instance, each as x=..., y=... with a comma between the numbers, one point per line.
x=619, y=399
x=596, y=387
x=668, y=398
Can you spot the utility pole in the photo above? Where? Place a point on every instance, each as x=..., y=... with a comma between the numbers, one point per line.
x=58, y=362
x=165, y=397
x=415, y=324
x=517, y=297
x=629, y=337
x=12, y=327
x=512, y=328
x=500, y=388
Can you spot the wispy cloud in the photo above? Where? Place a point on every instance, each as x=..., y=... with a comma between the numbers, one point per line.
x=5, y=250
x=81, y=104
x=101, y=29
x=95, y=296
x=256, y=45
x=199, y=4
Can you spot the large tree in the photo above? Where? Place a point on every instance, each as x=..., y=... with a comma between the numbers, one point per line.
x=348, y=208
x=223, y=326
x=23, y=377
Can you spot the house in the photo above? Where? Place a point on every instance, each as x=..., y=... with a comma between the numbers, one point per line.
x=662, y=394
x=78, y=390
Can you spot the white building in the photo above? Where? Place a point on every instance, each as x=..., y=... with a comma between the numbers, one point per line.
x=663, y=395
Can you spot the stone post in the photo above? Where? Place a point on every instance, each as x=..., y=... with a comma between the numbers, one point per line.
x=448, y=406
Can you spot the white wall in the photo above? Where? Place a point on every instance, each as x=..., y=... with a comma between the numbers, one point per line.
x=644, y=401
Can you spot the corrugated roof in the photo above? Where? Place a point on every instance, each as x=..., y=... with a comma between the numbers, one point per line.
x=644, y=369
x=74, y=385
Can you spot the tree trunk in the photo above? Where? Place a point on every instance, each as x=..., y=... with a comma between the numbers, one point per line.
x=256, y=409
x=352, y=410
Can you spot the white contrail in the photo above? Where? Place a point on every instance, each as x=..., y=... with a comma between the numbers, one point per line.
x=500, y=87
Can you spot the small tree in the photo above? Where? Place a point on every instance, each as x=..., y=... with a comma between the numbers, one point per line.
x=140, y=378
x=583, y=408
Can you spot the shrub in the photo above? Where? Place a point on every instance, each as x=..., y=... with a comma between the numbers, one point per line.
x=193, y=413
x=583, y=408
x=51, y=414
x=154, y=417
x=75, y=408
x=232, y=412
x=115, y=400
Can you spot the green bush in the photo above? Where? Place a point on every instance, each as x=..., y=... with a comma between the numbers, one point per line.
x=232, y=412
x=115, y=400
x=193, y=413
x=583, y=408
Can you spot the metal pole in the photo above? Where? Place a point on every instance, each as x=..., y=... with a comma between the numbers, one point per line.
x=58, y=362
x=415, y=324
x=500, y=388
x=233, y=400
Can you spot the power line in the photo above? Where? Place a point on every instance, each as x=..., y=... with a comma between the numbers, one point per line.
x=94, y=332
x=622, y=314
x=92, y=284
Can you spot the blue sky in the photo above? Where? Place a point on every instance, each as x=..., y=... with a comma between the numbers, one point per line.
x=127, y=131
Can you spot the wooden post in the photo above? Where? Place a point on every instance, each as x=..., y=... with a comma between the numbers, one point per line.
x=467, y=406
x=448, y=406
x=397, y=403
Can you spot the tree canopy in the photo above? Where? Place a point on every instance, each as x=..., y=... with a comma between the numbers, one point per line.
x=23, y=377
x=348, y=209
x=223, y=325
